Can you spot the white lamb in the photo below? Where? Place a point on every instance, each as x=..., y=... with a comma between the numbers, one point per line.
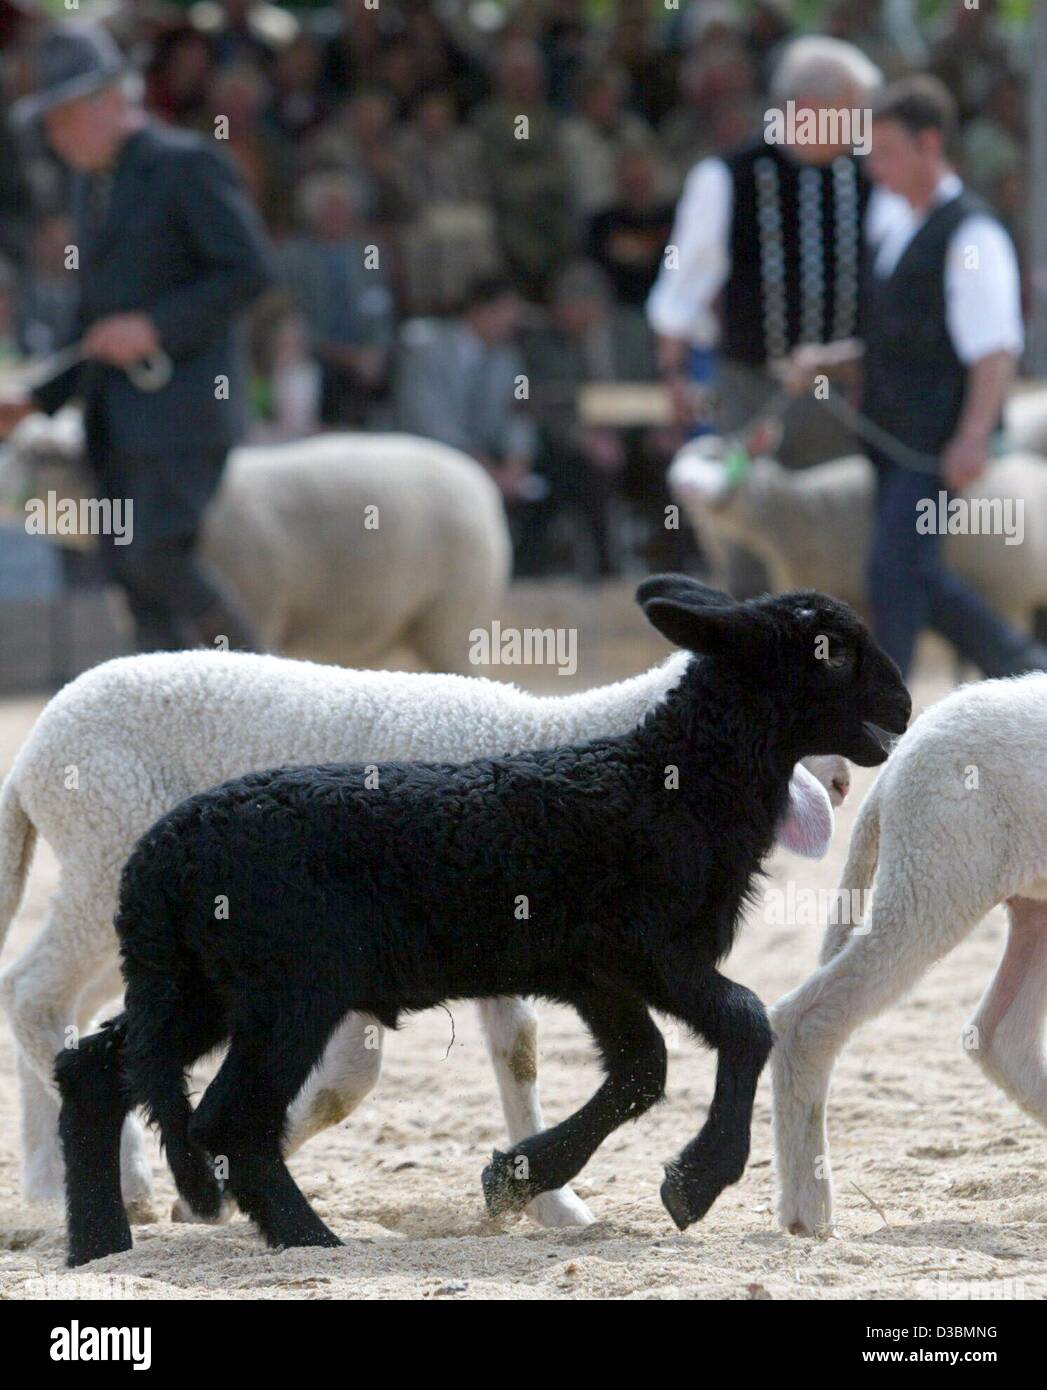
x=958, y=819
x=811, y=528
x=130, y=739
x=340, y=546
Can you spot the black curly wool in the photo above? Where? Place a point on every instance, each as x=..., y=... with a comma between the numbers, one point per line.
x=609, y=876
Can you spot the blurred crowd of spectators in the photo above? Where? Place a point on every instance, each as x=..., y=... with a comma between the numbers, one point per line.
x=422, y=241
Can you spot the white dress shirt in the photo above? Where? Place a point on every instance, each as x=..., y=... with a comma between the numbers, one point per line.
x=982, y=290
x=680, y=304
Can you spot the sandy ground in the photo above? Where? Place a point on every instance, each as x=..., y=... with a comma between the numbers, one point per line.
x=958, y=1175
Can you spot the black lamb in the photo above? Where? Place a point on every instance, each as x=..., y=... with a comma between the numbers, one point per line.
x=609, y=876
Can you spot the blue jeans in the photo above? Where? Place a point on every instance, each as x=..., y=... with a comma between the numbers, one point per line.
x=910, y=588
x=702, y=368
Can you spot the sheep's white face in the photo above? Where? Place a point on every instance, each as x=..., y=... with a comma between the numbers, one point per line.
x=49, y=438
x=698, y=475
x=43, y=453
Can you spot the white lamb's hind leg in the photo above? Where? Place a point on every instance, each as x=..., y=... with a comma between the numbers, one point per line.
x=1005, y=1033
x=813, y=1023
x=44, y=1176
x=136, y=1178
x=40, y=991
x=348, y=1071
x=43, y=1171
x=511, y=1030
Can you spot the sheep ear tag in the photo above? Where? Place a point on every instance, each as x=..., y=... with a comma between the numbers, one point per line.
x=807, y=827
x=736, y=465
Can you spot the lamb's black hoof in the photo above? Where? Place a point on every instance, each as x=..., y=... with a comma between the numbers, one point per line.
x=182, y=1213
x=95, y=1245
x=323, y=1238
x=687, y=1196
x=200, y=1190
x=504, y=1191
x=203, y=1194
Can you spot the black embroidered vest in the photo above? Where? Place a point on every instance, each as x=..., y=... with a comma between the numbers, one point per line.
x=796, y=253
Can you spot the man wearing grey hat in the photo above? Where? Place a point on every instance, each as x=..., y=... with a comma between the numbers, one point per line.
x=170, y=252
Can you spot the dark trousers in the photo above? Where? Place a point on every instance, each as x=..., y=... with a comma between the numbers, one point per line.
x=176, y=601
x=910, y=587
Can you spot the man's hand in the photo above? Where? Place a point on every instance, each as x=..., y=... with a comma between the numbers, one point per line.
x=967, y=452
x=965, y=458
x=689, y=400
x=12, y=411
x=121, y=340
x=799, y=371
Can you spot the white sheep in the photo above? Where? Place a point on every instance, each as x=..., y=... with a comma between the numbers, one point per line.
x=128, y=740
x=1025, y=420
x=340, y=546
x=811, y=527
x=958, y=820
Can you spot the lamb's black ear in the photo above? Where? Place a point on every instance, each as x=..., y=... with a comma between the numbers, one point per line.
x=680, y=588
x=728, y=629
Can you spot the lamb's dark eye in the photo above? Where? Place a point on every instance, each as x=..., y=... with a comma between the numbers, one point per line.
x=833, y=653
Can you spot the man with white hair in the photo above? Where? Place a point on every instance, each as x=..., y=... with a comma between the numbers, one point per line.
x=765, y=254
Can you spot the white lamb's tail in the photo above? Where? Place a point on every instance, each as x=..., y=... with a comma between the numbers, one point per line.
x=17, y=840
x=863, y=854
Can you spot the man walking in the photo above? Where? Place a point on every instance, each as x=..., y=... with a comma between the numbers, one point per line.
x=942, y=330
x=170, y=252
